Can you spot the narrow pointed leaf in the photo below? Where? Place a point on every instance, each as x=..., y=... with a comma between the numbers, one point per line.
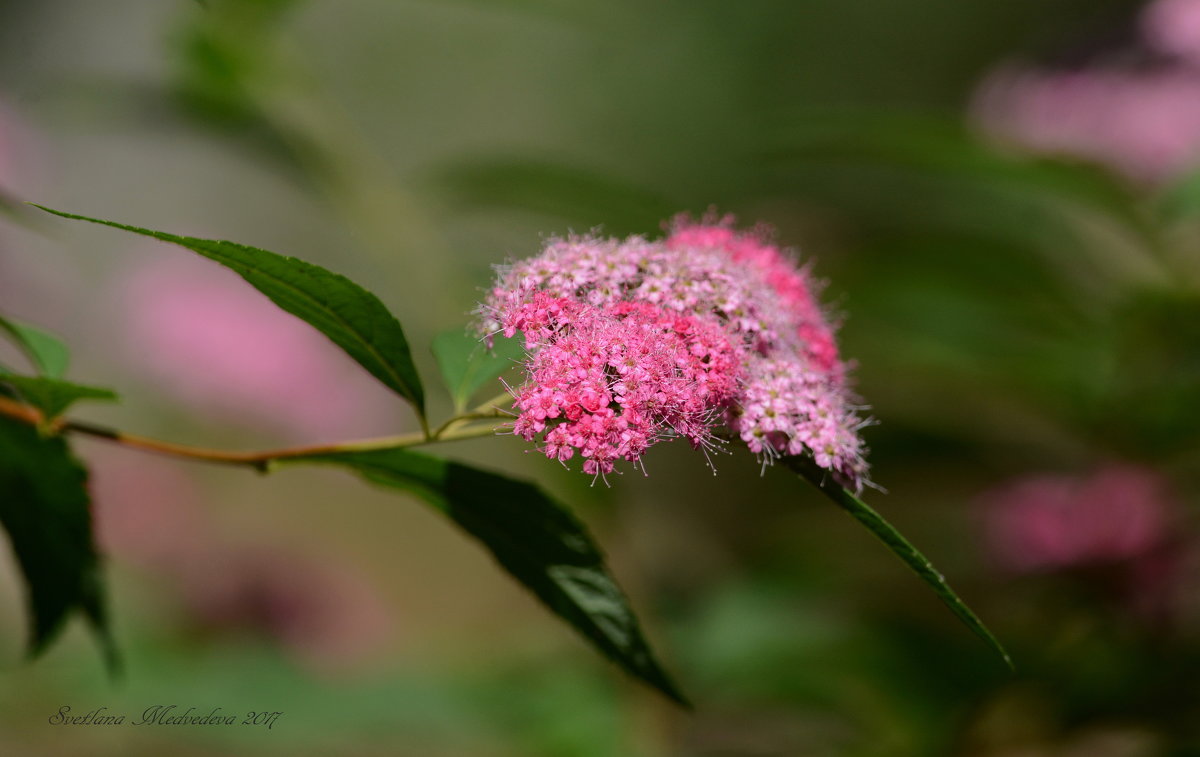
x=45, y=510
x=467, y=364
x=901, y=547
x=535, y=539
x=53, y=396
x=353, y=318
x=47, y=353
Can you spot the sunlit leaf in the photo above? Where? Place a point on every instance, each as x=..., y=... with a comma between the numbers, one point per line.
x=53, y=396
x=467, y=364
x=895, y=541
x=44, y=508
x=535, y=539
x=353, y=318
x=47, y=353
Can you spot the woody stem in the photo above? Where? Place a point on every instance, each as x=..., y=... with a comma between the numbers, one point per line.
x=458, y=427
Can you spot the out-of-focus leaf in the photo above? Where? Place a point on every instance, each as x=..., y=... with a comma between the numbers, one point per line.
x=467, y=363
x=47, y=353
x=895, y=541
x=1151, y=398
x=922, y=172
x=219, y=52
x=582, y=15
x=535, y=539
x=1181, y=201
x=53, y=396
x=563, y=191
x=944, y=145
x=352, y=318
x=224, y=60
x=44, y=507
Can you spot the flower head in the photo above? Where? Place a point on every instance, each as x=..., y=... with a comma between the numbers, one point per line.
x=634, y=341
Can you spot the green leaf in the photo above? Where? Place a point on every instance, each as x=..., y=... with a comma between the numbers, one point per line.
x=47, y=353
x=44, y=508
x=353, y=318
x=53, y=396
x=467, y=364
x=535, y=539
x=887, y=533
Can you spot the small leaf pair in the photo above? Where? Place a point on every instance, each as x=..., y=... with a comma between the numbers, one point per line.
x=47, y=392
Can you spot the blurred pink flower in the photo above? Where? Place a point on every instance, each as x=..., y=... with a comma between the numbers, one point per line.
x=146, y=512
x=1144, y=124
x=19, y=152
x=328, y=616
x=1055, y=522
x=1173, y=27
x=210, y=340
x=33, y=286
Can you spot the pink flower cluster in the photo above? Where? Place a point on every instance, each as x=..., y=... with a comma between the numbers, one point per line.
x=617, y=377
x=634, y=341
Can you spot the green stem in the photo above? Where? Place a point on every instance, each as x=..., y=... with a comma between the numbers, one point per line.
x=484, y=411
x=501, y=400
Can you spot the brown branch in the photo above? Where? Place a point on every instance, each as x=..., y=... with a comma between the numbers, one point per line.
x=259, y=460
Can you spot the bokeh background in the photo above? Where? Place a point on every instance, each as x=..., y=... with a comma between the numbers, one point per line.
x=1003, y=196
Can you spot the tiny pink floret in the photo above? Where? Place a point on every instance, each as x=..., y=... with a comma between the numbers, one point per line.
x=633, y=341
